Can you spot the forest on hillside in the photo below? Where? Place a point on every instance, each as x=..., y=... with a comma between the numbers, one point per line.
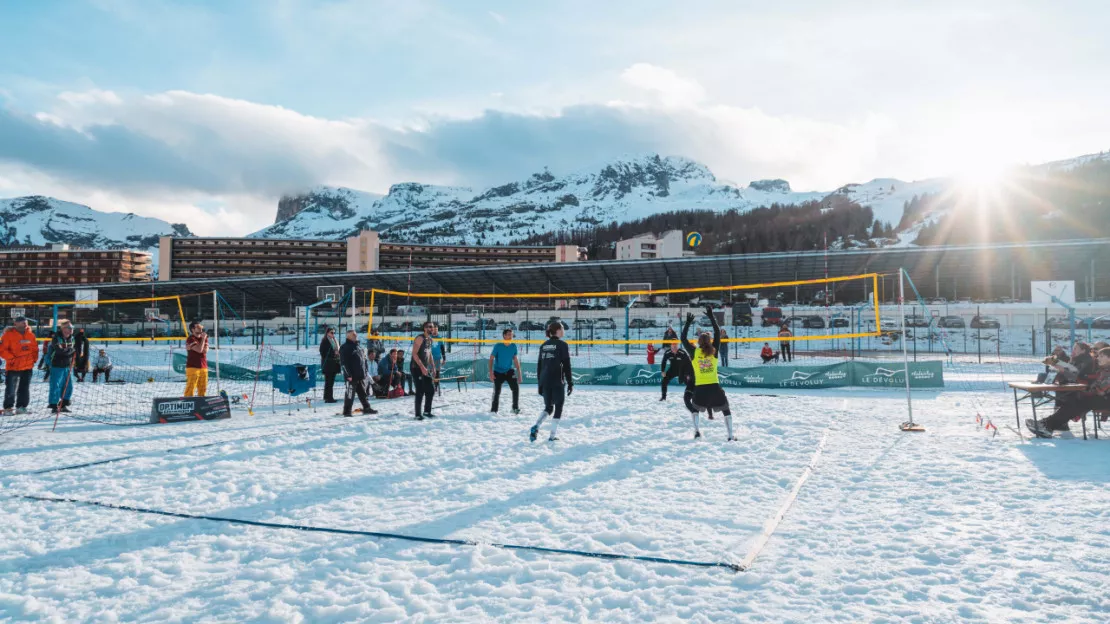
x=768, y=229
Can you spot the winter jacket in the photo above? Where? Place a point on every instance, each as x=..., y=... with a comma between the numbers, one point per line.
x=766, y=352
x=329, y=356
x=19, y=350
x=1100, y=383
x=353, y=359
x=62, y=350
x=81, y=345
x=102, y=362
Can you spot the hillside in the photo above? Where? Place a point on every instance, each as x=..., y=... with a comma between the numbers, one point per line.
x=37, y=220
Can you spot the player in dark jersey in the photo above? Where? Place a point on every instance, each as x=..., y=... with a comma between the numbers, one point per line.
x=423, y=369
x=680, y=369
x=551, y=370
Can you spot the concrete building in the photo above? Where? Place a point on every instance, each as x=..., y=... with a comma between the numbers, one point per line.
x=58, y=264
x=181, y=258
x=650, y=247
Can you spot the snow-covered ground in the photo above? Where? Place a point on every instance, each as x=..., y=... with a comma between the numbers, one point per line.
x=942, y=526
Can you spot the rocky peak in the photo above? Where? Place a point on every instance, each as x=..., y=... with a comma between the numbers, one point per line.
x=776, y=185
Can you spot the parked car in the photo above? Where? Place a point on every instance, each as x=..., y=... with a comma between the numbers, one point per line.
x=1101, y=322
x=840, y=321
x=951, y=322
x=605, y=323
x=742, y=314
x=583, y=323
x=772, y=316
x=502, y=326
x=531, y=326
x=888, y=325
x=916, y=321
x=985, y=322
x=561, y=322
x=641, y=323
x=793, y=320
x=813, y=322
x=938, y=301
x=1063, y=323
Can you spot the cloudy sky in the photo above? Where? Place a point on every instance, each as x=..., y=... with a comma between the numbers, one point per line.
x=206, y=112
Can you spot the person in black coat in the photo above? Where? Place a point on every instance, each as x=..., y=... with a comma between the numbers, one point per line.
x=680, y=368
x=81, y=355
x=353, y=359
x=329, y=363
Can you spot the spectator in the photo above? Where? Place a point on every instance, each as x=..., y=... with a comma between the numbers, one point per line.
x=389, y=376
x=19, y=349
x=44, y=361
x=102, y=364
x=62, y=352
x=1096, y=398
x=374, y=346
x=81, y=355
x=196, y=361
x=651, y=354
x=354, y=362
x=1099, y=346
x=1061, y=354
x=504, y=367
x=329, y=363
x=724, y=348
x=786, y=348
x=670, y=335
x=767, y=354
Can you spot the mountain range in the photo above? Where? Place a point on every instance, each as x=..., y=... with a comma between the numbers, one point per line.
x=623, y=191
x=620, y=191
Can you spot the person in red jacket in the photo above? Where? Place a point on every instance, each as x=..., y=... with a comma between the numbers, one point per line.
x=767, y=354
x=651, y=354
x=20, y=350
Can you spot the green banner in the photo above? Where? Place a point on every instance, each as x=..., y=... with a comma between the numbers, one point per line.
x=839, y=375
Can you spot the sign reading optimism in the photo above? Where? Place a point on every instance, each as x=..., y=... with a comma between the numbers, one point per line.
x=839, y=375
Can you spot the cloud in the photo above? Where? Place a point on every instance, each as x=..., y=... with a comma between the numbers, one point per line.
x=497, y=17
x=672, y=89
x=158, y=154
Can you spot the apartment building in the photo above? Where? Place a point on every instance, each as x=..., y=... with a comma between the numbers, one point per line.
x=58, y=264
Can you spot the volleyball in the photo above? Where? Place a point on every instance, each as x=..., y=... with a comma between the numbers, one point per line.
x=693, y=239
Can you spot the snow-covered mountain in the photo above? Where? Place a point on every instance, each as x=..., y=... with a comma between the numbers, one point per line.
x=38, y=220
x=624, y=190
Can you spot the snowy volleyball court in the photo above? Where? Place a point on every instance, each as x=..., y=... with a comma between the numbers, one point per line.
x=952, y=524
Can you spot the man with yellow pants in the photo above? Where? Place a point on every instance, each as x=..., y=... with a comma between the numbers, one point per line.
x=196, y=361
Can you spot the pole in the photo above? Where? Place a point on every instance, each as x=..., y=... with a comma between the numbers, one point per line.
x=905, y=354
x=354, y=307
x=216, y=326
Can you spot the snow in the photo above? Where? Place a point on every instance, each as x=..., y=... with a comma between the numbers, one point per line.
x=42, y=220
x=948, y=525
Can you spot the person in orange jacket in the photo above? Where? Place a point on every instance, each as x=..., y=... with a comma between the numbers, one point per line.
x=20, y=350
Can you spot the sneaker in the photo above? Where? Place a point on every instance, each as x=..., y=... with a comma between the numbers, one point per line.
x=516, y=411
x=662, y=398
x=1037, y=428
x=731, y=439
x=419, y=417
x=552, y=439
x=369, y=410
x=697, y=435
x=52, y=408
x=429, y=415
x=9, y=412
x=493, y=412
x=347, y=415
x=533, y=432
x=64, y=409
x=20, y=411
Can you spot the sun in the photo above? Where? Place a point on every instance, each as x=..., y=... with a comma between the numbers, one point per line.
x=983, y=177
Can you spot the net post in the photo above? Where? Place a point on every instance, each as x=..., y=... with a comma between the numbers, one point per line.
x=216, y=327
x=905, y=353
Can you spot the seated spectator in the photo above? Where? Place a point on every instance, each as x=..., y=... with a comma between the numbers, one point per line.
x=406, y=379
x=1061, y=354
x=389, y=373
x=1096, y=398
x=767, y=354
x=102, y=365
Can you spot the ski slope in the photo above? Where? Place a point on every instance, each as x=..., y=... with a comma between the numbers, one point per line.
x=948, y=525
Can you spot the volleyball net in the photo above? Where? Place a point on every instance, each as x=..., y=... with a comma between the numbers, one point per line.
x=116, y=320
x=822, y=312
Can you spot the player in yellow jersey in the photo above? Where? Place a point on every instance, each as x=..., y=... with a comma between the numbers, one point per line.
x=708, y=394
